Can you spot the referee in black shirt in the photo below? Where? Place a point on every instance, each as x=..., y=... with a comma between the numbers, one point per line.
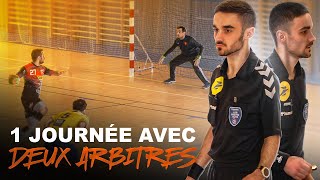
x=244, y=112
x=290, y=25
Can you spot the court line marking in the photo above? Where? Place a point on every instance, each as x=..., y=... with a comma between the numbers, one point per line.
x=128, y=101
x=143, y=89
x=111, y=74
x=132, y=104
x=25, y=61
x=132, y=87
x=125, y=86
x=6, y=68
x=126, y=76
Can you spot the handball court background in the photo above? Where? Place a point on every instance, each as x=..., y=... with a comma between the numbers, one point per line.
x=115, y=98
x=90, y=40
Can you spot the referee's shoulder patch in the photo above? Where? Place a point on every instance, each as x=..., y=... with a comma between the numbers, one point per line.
x=268, y=78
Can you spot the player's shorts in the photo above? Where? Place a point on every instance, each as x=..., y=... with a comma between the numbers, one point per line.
x=28, y=103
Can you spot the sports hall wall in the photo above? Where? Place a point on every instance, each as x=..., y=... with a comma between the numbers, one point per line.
x=102, y=27
x=94, y=26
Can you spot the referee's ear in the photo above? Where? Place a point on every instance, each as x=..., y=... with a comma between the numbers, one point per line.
x=281, y=36
x=248, y=33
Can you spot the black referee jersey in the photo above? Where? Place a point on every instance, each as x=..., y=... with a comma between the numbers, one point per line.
x=294, y=110
x=243, y=111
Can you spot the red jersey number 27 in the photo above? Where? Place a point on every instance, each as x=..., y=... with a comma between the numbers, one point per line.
x=33, y=72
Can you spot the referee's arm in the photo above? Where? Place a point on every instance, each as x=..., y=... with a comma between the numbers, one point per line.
x=270, y=118
x=269, y=150
x=203, y=158
x=268, y=154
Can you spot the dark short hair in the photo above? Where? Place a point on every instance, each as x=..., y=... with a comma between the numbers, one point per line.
x=35, y=54
x=183, y=28
x=79, y=105
x=242, y=8
x=282, y=14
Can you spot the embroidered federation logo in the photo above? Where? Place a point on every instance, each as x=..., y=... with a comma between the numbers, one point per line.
x=235, y=115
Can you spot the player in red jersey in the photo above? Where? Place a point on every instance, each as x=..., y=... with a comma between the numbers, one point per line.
x=33, y=73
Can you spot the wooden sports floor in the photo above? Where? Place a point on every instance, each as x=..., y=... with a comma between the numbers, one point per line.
x=113, y=97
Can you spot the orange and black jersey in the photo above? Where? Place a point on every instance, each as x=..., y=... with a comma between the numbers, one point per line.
x=243, y=111
x=33, y=75
x=294, y=109
x=188, y=46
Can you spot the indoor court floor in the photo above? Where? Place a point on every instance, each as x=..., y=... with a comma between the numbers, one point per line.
x=113, y=97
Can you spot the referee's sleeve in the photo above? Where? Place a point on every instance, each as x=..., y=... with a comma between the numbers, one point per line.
x=270, y=106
